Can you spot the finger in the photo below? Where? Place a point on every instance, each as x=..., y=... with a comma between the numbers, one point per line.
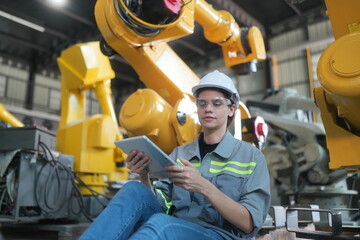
x=133, y=160
x=140, y=165
x=176, y=174
x=174, y=168
x=131, y=156
x=186, y=162
x=143, y=162
x=139, y=155
x=176, y=180
x=132, y=153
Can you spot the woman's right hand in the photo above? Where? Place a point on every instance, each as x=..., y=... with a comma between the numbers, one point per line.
x=137, y=162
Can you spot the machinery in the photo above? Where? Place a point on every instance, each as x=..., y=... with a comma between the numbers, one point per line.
x=304, y=189
x=165, y=110
x=296, y=154
x=90, y=139
x=339, y=95
x=338, y=99
x=35, y=182
x=320, y=158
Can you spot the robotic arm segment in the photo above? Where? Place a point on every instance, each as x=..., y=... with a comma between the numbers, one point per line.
x=83, y=67
x=240, y=45
x=9, y=118
x=165, y=25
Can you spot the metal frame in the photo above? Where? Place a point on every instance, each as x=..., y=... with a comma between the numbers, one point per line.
x=333, y=224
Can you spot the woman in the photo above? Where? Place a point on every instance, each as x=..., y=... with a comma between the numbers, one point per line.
x=220, y=192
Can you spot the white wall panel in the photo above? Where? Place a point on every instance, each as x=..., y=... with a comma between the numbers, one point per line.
x=16, y=90
x=14, y=72
x=47, y=93
x=55, y=99
x=41, y=96
x=320, y=30
x=47, y=81
x=287, y=40
x=2, y=86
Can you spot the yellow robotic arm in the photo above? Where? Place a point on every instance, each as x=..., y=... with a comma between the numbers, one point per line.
x=140, y=34
x=339, y=95
x=9, y=118
x=90, y=139
x=157, y=65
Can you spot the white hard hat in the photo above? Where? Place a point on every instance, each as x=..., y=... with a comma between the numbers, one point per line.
x=218, y=79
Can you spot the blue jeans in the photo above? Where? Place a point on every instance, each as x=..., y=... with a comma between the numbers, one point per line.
x=134, y=213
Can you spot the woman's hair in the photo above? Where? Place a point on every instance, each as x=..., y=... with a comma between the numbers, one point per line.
x=227, y=95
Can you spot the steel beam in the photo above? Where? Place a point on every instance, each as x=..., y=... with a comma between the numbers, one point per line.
x=23, y=42
x=293, y=7
x=240, y=14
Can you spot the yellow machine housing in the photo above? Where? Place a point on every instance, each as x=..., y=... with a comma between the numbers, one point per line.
x=146, y=113
x=339, y=95
x=89, y=139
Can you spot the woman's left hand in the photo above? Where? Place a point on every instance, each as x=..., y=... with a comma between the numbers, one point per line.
x=186, y=176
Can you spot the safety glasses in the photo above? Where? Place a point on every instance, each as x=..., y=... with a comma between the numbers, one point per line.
x=218, y=102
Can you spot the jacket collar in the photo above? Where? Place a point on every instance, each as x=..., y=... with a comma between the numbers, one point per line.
x=224, y=149
x=226, y=145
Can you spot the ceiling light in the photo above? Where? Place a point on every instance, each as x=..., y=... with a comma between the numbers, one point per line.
x=22, y=21
x=57, y=2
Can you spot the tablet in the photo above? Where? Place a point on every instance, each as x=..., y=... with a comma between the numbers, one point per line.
x=144, y=144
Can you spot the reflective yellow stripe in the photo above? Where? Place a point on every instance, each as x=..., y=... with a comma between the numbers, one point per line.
x=167, y=204
x=233, y=162
x=197, y=164
x=231, y=170
x=249, y=167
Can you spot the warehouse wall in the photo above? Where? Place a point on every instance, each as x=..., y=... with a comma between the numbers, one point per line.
x=319, y=31
x=13, y=82
x=290, y=52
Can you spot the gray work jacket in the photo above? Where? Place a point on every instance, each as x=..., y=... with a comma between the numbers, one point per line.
x=235, y=167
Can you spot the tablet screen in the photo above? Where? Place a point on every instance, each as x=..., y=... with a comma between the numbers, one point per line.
x=144, y=144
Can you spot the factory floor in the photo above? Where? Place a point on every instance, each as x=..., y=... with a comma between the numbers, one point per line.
x=42, y=231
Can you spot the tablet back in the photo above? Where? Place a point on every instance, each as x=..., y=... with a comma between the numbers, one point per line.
x=144, y=144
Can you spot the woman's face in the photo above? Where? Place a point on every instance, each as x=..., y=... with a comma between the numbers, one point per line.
x=213, y=109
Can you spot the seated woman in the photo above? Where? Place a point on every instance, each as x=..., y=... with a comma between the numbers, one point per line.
x=221, y=191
